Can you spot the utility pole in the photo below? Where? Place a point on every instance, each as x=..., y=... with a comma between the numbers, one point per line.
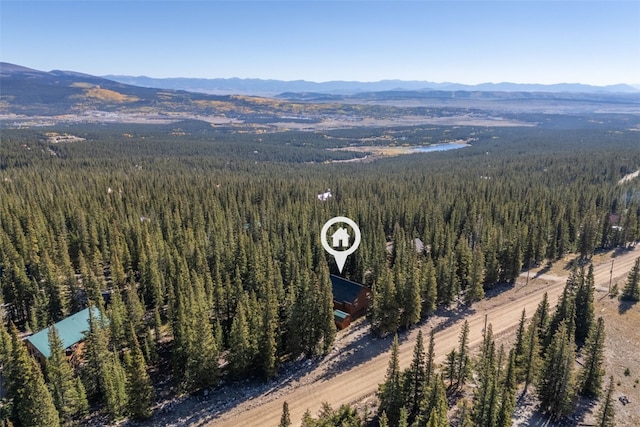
x=484, y=330
x=611, y=276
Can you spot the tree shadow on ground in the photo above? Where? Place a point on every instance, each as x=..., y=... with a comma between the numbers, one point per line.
x=367, y=347
x=625, y=306
x=498, y=289
x=542, y=271
x=451, y=316
x=584, y=407
x=533, y=416
x=207, y=405
x=574, y=262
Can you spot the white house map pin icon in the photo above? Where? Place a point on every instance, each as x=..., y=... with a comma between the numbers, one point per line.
x=340, y=238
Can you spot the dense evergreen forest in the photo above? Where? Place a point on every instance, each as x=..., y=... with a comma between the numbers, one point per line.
x=544, y=355
x=200, y=248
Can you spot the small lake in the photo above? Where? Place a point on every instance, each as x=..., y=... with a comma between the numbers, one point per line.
x=438, y=147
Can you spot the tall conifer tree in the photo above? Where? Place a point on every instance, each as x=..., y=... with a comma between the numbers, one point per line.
x=390, y=392
x=428, y=288
x=631, y=291
x=556, y=386
x=462, y=362
x=508, y=403
x=475, y=290
x=415, y=380
x=285, y=419
x=139, y=386
x=584, y=306
x=435, y=407
x=61, y=381
x=590, y=377
x=32, y=402
x=606, y=414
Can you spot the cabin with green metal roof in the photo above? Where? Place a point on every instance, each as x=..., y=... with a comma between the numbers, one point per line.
x=341, y=318
x=72, y=331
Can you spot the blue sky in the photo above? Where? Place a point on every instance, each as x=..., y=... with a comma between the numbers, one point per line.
x=591, y=42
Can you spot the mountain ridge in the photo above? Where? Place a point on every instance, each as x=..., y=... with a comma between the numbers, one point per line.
x=345, y=87
x=25, y=91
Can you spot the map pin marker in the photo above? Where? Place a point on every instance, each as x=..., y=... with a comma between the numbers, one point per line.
x=340, y=239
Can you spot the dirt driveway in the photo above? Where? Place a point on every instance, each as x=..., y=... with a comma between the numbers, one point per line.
x=358, y=362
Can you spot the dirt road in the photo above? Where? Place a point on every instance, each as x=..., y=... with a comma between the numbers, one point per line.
x=355, y=374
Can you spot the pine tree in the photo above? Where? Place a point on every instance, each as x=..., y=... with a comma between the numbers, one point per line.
x=135, y=312
x=385, y=306
x=94, y=349
x=556, y=387
x=529, y=364
x=512, y=261
x=566, y=308
x=32, y=402
x=178, y=320
x=475, y=290
x=37, y=408
x=6, y=348
x=450, y=367
x=285, y=419
x=117, y=318
x=464, y=414
x=118, y=275
x=103, y=371
x=58, y=299
x=305, y=326
x=631, y=291
x=157, y=324
x=383, y=421
x=390, y=392
x=435, y=409
x=268, y=343
x=588, y=236
x=462, y=362
x=484, y=396
x=409, y=296
x=542, y=320
x=240, y=354
x=139, y=388
x=113, y=381
x=429, y=363
x=61, y=381
x=404, y=418
x=606, y=413
x=415, y=380
x=149, y=348
x=463, y=262
x=428, y=288
x=508, y=404
x=447, y=278
x=83, y=404
x=520, y=347
x=590, y=378
x=324, y=305
x=202, y=358
x=491, y=265
x=584, y=306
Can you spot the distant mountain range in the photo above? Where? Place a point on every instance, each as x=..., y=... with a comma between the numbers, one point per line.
x=32, y=92
x=274, y=87
x=25, y=91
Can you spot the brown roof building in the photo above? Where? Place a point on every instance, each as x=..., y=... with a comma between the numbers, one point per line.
x=350, y=300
